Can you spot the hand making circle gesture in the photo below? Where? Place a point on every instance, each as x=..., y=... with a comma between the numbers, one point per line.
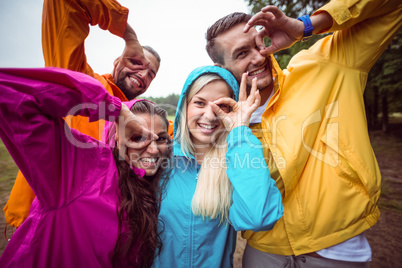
x=240, y=111
x=281, y=29
x=128, y=126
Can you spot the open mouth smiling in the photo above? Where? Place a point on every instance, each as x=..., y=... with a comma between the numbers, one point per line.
x=259, y=70
x=137, y=81
x=149, y=161
x=207, y=127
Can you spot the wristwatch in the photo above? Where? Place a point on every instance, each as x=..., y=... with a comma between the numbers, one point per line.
x=308, y=27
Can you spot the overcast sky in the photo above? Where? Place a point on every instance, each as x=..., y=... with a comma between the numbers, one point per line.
x=174, y=28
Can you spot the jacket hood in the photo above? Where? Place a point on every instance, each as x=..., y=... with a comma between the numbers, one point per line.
x=226, y=75
x=109, y=130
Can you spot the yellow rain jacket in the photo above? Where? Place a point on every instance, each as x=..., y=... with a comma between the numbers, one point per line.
x=315, y=130
x=65, y=26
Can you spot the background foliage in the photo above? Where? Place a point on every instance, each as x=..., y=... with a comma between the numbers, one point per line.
x=168, y=103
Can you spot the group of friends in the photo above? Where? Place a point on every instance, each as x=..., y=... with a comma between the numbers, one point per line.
x=281, y=155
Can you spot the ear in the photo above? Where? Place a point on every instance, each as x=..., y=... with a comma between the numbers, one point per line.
x=114, y=73
x=116, y=61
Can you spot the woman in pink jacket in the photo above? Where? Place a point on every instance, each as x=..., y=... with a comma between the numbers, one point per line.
x=95, y=206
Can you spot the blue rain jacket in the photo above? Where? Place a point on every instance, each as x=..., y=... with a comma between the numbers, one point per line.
x=190, y=241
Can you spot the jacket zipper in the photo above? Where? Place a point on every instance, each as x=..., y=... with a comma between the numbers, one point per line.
x=192, y=222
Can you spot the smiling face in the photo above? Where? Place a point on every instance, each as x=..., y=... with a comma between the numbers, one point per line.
x=203, y=124
x=242, y=55
x=150, y=157
x=135, y=82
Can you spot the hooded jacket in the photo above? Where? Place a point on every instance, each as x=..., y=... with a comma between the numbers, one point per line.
x=73, y=221
x=315, y=130
x=190, y=241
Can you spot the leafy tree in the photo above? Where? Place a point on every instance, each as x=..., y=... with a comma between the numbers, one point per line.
x=168, y=103
x=384, y=86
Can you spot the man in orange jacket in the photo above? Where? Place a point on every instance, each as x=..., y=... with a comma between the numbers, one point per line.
x=65, y=26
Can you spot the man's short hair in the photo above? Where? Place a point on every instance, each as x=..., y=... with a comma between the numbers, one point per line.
x=153, y=52
x=222, y=25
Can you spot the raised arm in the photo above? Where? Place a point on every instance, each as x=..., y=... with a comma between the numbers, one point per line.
x=66, y=24
x=363, y=29
x=283, y=30
x=257, y=202
x=32, y=103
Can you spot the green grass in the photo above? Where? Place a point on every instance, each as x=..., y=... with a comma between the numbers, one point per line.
x=8, y=169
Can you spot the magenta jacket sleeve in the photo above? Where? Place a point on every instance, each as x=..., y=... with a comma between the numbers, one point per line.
x=33, y=102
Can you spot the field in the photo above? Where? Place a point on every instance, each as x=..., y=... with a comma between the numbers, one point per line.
x=385, y=237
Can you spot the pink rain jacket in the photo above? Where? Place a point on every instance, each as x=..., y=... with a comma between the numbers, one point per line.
x=73, y=221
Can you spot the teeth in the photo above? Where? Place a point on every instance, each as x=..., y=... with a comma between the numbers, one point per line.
x=135, y=81
x=258, y=71
x=149, y=160
x=207, y=126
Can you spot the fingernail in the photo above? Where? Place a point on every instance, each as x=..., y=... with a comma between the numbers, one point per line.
x=261, y=47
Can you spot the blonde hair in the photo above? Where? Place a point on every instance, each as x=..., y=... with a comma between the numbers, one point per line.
x=213, y=194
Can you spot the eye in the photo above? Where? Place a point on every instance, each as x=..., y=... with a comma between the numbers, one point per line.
x=151, y=74
x=135, y=62
x=224, y=107
x=200, y=103
x=241, y=55
x=162, y=139
x=138, y=138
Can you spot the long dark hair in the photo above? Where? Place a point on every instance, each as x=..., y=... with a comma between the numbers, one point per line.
x=139, y=241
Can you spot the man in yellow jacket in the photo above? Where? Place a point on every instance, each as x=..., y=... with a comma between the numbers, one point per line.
x=312, y=126
x=65, y=26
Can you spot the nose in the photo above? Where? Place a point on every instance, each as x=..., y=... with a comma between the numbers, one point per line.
x=257, y=58
x=209, y=113
x=143, y=73
x=152, y=147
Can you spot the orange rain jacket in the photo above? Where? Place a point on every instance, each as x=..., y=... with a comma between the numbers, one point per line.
x=65, y=26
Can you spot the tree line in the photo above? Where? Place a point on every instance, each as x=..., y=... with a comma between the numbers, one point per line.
x=168, y=103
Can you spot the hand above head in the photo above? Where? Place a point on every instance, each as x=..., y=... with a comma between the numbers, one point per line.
x=240, y=111
x=281, y=29
x=133, y=55
x=127, y=126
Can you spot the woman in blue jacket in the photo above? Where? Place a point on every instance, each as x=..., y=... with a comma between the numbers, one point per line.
x=220, y=182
